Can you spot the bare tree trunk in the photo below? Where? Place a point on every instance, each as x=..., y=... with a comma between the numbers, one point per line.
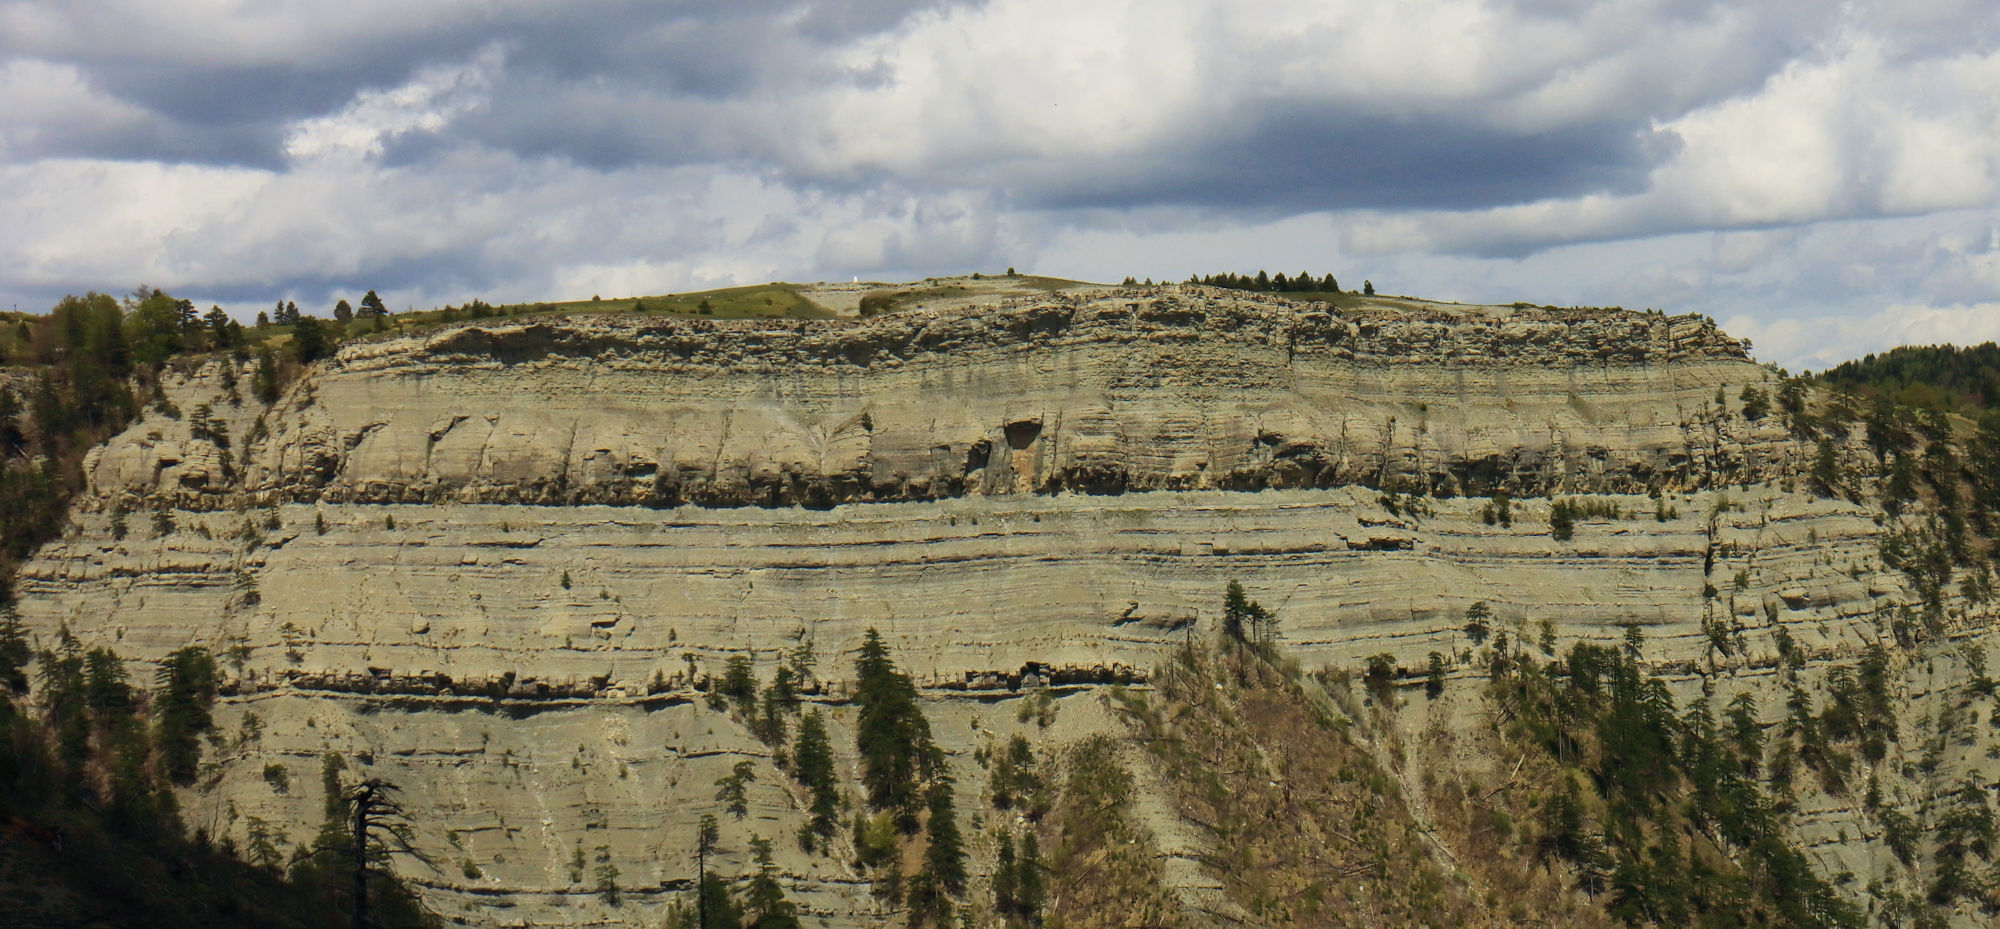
x=361, y=799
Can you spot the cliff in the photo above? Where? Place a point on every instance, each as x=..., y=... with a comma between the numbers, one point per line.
x=1105, y=392
x=491, y=563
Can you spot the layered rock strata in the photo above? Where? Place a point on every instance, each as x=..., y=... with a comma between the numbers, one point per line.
x=490, y=563
x=1178, y=389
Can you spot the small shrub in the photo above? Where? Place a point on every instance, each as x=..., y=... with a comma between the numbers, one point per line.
x=874, y=304
x=1381, y=677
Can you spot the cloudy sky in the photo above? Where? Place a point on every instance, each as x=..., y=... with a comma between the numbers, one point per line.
x=1822, y=177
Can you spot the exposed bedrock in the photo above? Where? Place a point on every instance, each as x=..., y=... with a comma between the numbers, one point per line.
x=490, y=563
x=1167, y=389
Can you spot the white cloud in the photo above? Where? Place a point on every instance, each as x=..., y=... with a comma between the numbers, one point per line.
x=1791, y=166
x=1849, y=136
x=44, y=101
x=1820, y=342
x=426, y=103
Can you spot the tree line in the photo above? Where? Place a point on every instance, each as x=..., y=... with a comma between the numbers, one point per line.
x=1965, y=379
x=1305, y=282
x=72, y=378
x=89, y=759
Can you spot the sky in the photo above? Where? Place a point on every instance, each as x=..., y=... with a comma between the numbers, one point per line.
x=1820, y=177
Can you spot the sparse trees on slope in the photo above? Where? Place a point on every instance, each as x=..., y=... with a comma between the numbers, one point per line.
x=1244, y=619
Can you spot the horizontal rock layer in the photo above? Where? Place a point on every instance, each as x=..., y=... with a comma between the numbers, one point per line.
x=1126, y=390
x=488, y=563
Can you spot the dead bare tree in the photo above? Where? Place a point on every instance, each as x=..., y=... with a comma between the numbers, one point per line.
x=381, y=829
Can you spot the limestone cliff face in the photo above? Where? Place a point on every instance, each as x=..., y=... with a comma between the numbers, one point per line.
x=490, y=563
x=1172, y=389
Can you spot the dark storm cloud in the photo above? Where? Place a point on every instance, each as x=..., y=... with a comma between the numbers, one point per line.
x=616, y=84
x=1293, y=161
x=229, y=107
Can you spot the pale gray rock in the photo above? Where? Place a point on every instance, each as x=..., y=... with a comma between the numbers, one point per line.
x=1046, y=494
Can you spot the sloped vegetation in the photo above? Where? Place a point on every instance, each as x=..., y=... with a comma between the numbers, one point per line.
x=1298, y=821
x=1655, y=807
x=1963, y=379
x=93, y=834
x=1103, y=865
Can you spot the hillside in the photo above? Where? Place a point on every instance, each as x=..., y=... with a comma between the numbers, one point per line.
x=1940, y=377
x=576, y=581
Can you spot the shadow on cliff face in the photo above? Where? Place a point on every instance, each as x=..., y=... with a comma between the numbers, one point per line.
x=510, y=347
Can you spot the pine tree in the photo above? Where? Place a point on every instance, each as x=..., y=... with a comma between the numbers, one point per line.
x=770, y=722
x=812, y=766
x=764, y=903
x=265, y=382
x=186, y=685
x=1562, y=520
x=107, y=689
x=1014, y=779
x=730, y=788
x=1825, y=469
x=1901, y=486
x=607, y=876
x=343, y=312
x=715, y=906
x=13, y=441
x=1476, y=626
x=60, y=686
x=14, y=653
x=1244, y=619
x=372, y=307
x=1380, y=677
x=218, y=327
x=739, y=683
x=261, y=844
x=928, y=905
x=1029, y=885
x=1235, y=611
x=944, y=857
x=309, y=342
x=892, y=735
x=1005, y=881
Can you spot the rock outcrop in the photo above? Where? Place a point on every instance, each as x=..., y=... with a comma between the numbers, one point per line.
x=1170, y=389
x=493, y=562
